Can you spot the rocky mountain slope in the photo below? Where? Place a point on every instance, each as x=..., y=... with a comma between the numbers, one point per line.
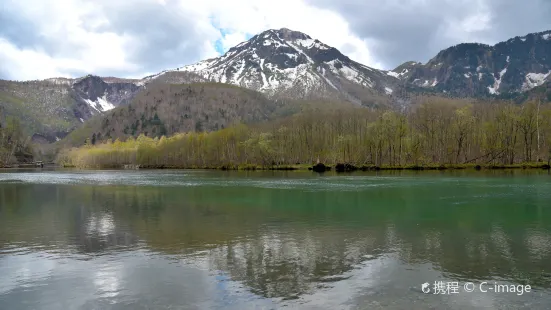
x=286, y=63
x=95, y=96
x=474, y=70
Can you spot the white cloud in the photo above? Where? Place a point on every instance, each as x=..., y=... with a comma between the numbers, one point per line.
x=28, y=64
x=84, y=42
x=71, y=26
x=131, y=38
x=470, y=26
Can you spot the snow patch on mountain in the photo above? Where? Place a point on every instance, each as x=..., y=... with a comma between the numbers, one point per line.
x=100, y=105
x=292, y=56
x=104, y=104
x=305, y=42
x=200, y=65
x=271, y=43
x=92, y=105
x=264, y=80
x=494, y=89
x=396, y=74
x=321, y=46
x=534, y=80
x=149, y=78
x=239, y=74
x=546, y=36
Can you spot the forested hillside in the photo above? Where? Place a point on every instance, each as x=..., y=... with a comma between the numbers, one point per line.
x=43, y=108
x=15, y=146
x=166, y=109
x=434, y=133
x=49, y=109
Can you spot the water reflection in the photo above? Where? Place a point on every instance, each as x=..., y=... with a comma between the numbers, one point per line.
x=265, y=244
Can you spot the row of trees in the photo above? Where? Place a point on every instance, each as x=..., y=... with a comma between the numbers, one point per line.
x=431, y=133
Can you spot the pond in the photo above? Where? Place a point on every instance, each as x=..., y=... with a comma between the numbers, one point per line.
x=247, y=240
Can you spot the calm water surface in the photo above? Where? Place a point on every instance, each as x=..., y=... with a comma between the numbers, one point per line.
x=266, y=240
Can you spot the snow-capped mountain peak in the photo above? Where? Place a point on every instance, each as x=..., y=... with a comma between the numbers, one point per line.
x=283, y=61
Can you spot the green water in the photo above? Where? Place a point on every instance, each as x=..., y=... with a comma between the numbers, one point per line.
x=270, y=240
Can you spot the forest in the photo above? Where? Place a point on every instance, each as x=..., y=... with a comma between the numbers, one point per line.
x=15, y=146
x=435, y=133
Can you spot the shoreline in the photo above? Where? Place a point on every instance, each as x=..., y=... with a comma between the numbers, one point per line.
x=339, y=168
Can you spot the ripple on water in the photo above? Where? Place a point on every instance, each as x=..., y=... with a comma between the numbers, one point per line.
x=10, y=181
x=101, y=178
x=178, y=178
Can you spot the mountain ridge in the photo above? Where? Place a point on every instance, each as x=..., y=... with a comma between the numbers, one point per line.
x=287, y=65
x=464, y=70
x=480, y=70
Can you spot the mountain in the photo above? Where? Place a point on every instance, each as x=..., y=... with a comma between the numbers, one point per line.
x=287, y=63
x=165, y=109
x=50, y=109
x=290, y=64
x=479, y=70
x=100, y=96
x=286, y=66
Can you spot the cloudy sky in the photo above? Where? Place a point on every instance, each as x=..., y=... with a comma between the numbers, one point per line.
x=134, y=38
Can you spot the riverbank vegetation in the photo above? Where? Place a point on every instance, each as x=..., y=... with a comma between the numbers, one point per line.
x=434, y=134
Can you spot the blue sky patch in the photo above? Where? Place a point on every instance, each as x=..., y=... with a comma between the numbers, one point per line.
x=218, y=43
x=218, y=47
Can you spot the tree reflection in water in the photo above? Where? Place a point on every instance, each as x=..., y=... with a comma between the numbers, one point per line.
x=285, y=243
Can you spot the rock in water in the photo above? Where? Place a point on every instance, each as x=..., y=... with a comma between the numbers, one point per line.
x=319, y=167
x=345, y=168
